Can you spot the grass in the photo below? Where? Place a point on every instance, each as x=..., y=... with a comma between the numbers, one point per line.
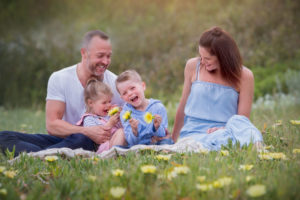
x=91, y=178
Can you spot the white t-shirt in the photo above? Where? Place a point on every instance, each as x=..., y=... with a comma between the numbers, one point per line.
x=64, y=85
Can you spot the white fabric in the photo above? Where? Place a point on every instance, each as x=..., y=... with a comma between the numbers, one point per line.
x=182, y=146
x=64, y=85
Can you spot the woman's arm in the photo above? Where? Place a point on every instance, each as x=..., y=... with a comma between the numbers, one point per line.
x=179, y=118
x=246, y=92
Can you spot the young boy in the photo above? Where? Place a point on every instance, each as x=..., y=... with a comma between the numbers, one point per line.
x=141, y=118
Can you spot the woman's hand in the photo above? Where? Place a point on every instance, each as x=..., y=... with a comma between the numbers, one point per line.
x=213, y=129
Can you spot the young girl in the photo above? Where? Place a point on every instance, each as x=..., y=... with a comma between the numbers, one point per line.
x=97, y=97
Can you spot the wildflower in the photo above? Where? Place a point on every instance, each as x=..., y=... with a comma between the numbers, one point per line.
x=127, y=115
x=201, y=178
x=92, y=178
x=117, y=192
x=277, y=123
x=148, y=169
x=117, y=172
x=278, y=155
x=113, y=111
x=3, y=191
x=95, y=158
x=256, y=190
x=204, y=187
x=163, y=157
x=10, y=174
x=269, y=147
x=245, y=167
x=51, y=158
x=265, y=156
x=224, y=153
x=295, y=151
x=225, y=181
x=249, y=178
x=2, y=169
x=217, y=184
x=148, y=117
x=295, y=122
x=181, y=170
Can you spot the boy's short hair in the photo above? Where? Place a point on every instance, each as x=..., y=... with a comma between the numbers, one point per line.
x=128, y=75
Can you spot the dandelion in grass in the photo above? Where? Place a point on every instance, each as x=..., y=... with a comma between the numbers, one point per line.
x=277, y=123
x=249, y=178
x=181, y=169
x=117, y=192
x=148, y=169
x=127, y=115
x=3, y=191
x=163, y=157
x=256, y=190
x=224, y=153
x=245, y=167
x=224, y=181
x=265, y=156
x=148, y=117
x=117, y=172
x=51, y=158
x=201, y=178
x=92, y=178
x=278, y=156
x=295, y=151
x=2, y=169
x=94, y=158
x=10, y=173
x=113, y=111
x=295, y=122
x=204, y=187
x=217, y=184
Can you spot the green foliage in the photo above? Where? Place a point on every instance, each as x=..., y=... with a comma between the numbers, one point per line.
x=154, y=37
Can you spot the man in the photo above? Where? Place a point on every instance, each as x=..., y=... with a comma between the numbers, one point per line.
x=65, y=102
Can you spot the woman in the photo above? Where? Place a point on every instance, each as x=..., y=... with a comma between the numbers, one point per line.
x=217, y=95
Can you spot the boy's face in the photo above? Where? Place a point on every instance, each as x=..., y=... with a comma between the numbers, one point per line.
x=132, y=92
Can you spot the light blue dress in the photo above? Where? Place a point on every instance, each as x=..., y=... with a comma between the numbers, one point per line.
x=214, y=105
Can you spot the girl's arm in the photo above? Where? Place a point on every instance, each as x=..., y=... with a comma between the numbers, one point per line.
x=246, y=92
x=179, y=118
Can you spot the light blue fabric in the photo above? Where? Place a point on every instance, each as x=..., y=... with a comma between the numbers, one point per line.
x=145, y=131
x=214, y=105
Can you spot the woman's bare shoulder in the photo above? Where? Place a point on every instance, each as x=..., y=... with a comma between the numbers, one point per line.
x=246, y=74
x=191, y=64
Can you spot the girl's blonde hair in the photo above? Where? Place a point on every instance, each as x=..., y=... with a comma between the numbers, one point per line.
x=94, y=90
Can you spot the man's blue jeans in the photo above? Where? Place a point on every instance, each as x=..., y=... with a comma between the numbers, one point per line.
x=36, y=142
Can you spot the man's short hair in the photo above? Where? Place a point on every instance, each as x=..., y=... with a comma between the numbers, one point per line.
x=90, y=35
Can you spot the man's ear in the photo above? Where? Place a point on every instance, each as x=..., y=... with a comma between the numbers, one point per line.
x=83, y=52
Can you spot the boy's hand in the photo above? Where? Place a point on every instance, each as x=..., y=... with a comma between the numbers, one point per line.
x=157, y=121
x=134, y=126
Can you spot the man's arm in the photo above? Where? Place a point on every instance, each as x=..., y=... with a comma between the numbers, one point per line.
x=60, y=128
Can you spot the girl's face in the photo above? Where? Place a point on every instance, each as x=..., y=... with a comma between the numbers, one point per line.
x=100, y=106
x=132, y=92
x=209, y=61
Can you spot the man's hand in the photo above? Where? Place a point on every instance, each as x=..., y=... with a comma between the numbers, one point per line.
x=211, y=130
x=99, y=134
x=134, y=126
x=157, y=121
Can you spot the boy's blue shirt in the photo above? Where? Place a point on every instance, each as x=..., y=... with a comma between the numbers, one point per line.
x=145, y=131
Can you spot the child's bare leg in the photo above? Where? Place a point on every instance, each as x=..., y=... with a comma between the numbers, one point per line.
x=118, y=138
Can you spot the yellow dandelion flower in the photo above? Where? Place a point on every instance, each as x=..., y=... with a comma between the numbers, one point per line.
x=127, y=115
x=181, y=169
x=148, y=169
x=113, y=111
x=117, y=172
x=148, y=117
x=295, y=151
x=295, y=122
x=94, y=158
x=224, y=153
x=2, y=169
x=204, y=187
x=10, y=173
x=117, y=192
x=265, y=156
x=92, y=178
x=278, y=155
x=201, y=178
x=249, y=178
x=163, y=157
x=51, y=158
x=245, y=167
x=217, y=184
x=3, y=191
x=256, y=190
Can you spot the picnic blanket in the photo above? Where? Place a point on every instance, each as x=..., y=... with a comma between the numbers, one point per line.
x=182, y=146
